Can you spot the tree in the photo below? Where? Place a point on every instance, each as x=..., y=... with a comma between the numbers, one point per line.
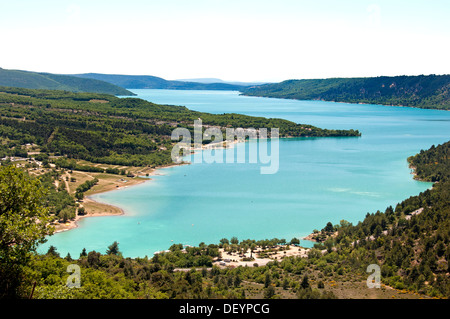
x=113, y=249
x=305, y=282
x=83, y=253
x=269, y=292
x=344, y=224
x=378, y=231
x=52, y=251
x=237, y=281
x=66, y=213
x=285, y=283
x=234, y=240
x=267, y=280
x=93, y=259
x=81, y=211
x=79, y=195
x=329, y=244
x=295, y=241
x=329, y=228
x=252, y=248
x=24, y=224
x=224, y=241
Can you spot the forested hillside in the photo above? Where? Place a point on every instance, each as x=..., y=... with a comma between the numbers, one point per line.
x=432, y=165
x=35, y=80
x=432, y=91
x=410, y=242
x=105, y=129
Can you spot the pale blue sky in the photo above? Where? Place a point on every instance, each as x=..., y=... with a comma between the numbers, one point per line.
x=234, y=40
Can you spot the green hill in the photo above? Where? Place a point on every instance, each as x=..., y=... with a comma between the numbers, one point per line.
x=153, y=82
x=432, y=91
x=34, y=80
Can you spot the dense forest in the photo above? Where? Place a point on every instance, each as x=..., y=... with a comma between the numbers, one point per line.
x=106, y=129
x=432, y=91
x=410, y=243
x=432, y=165
x=35, y=80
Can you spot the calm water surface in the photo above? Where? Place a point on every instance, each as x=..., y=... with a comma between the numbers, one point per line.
x=319, y=179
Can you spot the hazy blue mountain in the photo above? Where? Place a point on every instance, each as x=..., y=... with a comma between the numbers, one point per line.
x=216, y=80
x=154, y=82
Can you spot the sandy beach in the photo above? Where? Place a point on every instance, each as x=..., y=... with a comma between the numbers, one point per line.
x=94, y=208
x=233, y=259
x=106, y=183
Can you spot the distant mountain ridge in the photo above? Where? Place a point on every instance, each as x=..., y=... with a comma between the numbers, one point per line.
x=423, y=91
x=154, y=82
x=49, y=81
x=216, y=80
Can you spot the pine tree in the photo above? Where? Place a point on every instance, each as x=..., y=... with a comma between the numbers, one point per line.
x=113, y=249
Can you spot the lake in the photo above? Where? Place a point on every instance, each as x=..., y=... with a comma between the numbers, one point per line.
x=318, y=180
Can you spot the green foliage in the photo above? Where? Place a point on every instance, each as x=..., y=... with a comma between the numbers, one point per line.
x=412, y=248
x=87, y=185
x=113, y=249
x=23, y=225
x=67, y=213
x=432, y=91
x=432, y=165
x=56, y=200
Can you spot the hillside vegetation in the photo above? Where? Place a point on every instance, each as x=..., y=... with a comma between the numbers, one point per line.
x=432, y=91
x=106, y=129
x=410, y=243
x=35, y=80
x=153, y=82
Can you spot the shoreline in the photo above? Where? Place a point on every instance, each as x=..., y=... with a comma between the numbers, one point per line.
x=99, y=209
x=333, y=101
x=311, y=237
x=107, y=209
x=103, y=209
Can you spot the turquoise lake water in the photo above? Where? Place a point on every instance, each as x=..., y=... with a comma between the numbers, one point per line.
x=319, y=179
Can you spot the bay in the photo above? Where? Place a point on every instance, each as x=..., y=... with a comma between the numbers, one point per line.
x=318, y=180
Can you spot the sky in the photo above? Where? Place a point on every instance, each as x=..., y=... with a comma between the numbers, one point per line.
x=234, y=40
